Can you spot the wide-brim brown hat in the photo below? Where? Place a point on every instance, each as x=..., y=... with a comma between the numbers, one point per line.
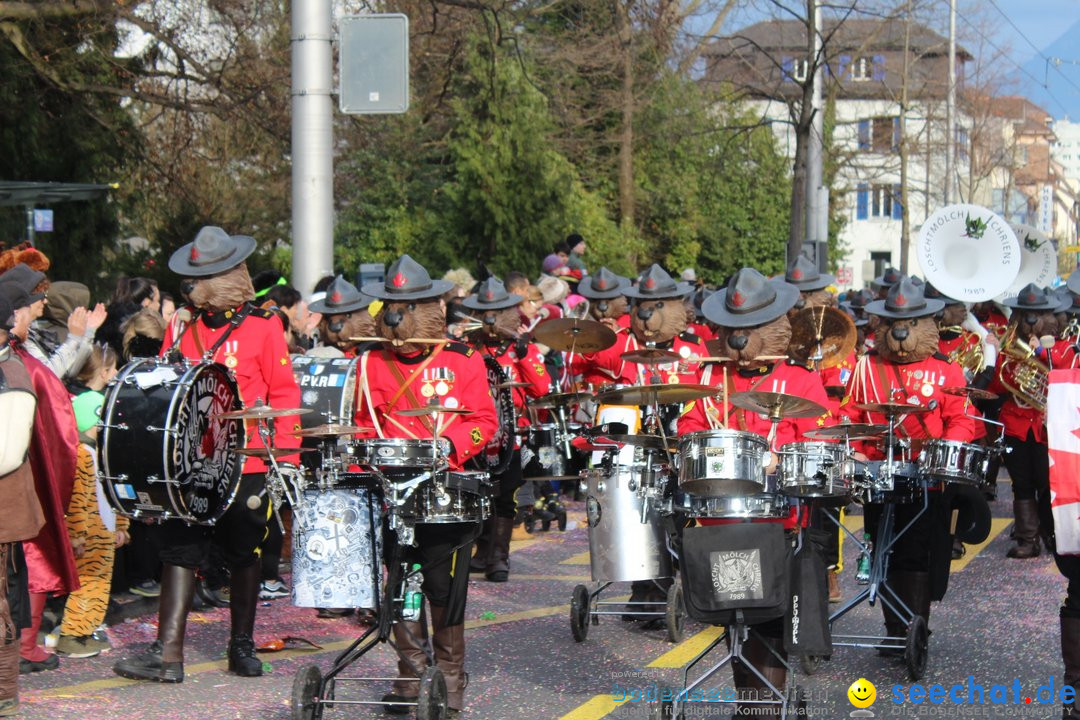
x=1033, y=297
x=749, y=299
x=906, y=299
x=887, y=279
x=341, y=297
x=407, y=280
x=804, y=274
x=604, y=285
x=656, y=284
x=491, y=295
x=212, y=251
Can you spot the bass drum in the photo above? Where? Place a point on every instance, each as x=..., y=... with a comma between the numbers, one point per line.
x=161, y=454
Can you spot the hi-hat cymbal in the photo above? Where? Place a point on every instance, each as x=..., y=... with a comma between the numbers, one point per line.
x=661, y=394
x=850, y=431
x=261, y=412
x=511, y=385
x=972, y=392
x=331, y=430
x=892, y=409
x=776, y=404
x=582, y=336
x=433, y=410
x=556, y=400
x=651, y=356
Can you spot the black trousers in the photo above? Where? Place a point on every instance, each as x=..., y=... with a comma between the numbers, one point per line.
x=1029, y=467
x=444, y=564
x=912, y=552
x=503, y=504
x=238, y=534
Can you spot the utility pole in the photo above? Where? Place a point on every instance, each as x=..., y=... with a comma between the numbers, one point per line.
x=816, y=200
x=950, y=111
x=312, y=144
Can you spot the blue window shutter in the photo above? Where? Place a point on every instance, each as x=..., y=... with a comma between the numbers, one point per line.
x=787, y=65
x=842, y=65
x=862, y=202
x=864, y=134
x=896, y=134
x=897, y=210
x=878, y=73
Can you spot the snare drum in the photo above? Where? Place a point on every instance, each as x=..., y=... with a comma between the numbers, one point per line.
x=337, y=548
x=161, y=455
x=955, y=461
x=762, y=506
x=722, y=463
x=622, y=548
x=816, y=470
x=903, y=485
x=453, y=496
x=546, y=446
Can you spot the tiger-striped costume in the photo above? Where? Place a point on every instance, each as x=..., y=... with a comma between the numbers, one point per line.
x=85, y=608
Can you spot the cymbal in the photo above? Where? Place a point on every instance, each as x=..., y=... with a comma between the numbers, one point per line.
x=649, y=442
x=511, y=385
x=776, y=404
x=261, y=412
x=651, y=356
x=583, y=336
x=264, y=453
x=824, y=335
x=972, y=392
x=331, y=430
x=850, y=431
x=892, y=408
x=433, y=410
x=661, y=394
x=556, y=400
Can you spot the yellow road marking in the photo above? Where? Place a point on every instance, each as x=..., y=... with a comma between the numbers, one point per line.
x=685, y=651
x=596, y=707
x=581, y=558
x=997, y=526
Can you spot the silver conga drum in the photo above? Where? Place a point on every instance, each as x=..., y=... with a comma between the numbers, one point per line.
x=719, y=463
x=622, y=548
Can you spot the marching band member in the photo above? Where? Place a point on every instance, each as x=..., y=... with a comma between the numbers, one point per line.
x=1032, y=325
x=519, y=361
x=607, y=304
x=227, y=328
x=883, y=282
x=413, y=369
x=345, y=315
x=812, y=284
x=905, y=367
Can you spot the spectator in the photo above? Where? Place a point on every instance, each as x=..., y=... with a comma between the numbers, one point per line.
x=575, y=261
x=143, y=333
x=130, y=296
x=64, y=333
x=168, y=307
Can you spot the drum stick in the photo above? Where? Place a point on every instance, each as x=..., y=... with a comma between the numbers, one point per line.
x=725, y=399
x=953, y=522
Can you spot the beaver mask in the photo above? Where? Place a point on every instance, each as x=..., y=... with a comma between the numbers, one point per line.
x=1034, y=324
x=658, y=321
x=223, y=291
x=907, y=340
x=337, y=329
x=814, y=298
x=744, y=344
x=611, y=309
x=404, y=319
x=953, y=315
x=496, y=325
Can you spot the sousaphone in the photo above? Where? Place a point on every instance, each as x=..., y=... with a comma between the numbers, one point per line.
x=969, y=253
x=1038, y=260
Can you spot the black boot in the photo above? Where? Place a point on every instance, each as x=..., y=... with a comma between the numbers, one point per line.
x=1070, y=655
x=1026, y=530
x=481, y=557
x=244, y=599
x=164, y=660
x=498, y=568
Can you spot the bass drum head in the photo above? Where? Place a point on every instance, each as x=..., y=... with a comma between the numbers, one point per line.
x=200, y=452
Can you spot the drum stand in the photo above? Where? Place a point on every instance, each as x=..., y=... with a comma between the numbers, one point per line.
x=674, y=702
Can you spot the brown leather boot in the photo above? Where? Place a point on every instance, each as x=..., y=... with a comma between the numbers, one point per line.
x=410, y=639
x=1070, y=655
x=835, y=595
x=1026, y=530
x=9, y=675
x=498, y=567
x=449, y=646
x=164, y=660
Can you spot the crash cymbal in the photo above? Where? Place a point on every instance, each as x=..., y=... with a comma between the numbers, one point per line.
x=892, y=409
x=649, y=442
x=556, y=400
x=511, y=385
x=661, y=394
x=582, y=336
x=776, y=404
x=972, y=392
x=824, y=336
x=331, y=430
x=433, y=410
x=651, y=356
x=850, y=431
x=261, y=412
x=263, y=453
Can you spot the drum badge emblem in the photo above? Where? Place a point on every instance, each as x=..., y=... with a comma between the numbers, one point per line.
x=736, y=575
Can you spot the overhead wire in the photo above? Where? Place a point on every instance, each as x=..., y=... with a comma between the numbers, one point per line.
x=1038, y=52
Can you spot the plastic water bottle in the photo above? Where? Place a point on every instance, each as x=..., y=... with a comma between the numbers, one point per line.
x=862, y=569
x=414, y=597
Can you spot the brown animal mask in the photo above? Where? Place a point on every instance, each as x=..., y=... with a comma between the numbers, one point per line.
x=223, y=291
x=404, y=319
x=814, y=298
x=658, y=321
x=337, y=329
x=1034, y=324
x=612, y=309
x=953, y=314
x=498, y=325
x=907, y=340
x=743, y=345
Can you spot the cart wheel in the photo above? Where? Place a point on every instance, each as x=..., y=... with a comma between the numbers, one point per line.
x=811, y=664
x=305, y=693
x=579, y=613
x=431, y=700
x=675, y=612
x=917, y=650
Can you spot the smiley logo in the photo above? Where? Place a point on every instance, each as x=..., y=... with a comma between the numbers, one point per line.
x=862, y=693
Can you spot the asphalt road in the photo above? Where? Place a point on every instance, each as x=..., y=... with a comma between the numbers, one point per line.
x=999, y=624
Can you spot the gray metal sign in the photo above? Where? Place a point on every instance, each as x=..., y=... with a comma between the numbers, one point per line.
x=374, y=64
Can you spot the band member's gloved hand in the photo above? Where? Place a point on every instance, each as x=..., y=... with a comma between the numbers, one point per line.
x=521, y=347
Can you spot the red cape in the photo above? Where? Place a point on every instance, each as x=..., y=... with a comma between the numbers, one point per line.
x=53, y=450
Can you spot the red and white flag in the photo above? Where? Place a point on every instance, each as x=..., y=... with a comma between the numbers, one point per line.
x=1063, y=438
